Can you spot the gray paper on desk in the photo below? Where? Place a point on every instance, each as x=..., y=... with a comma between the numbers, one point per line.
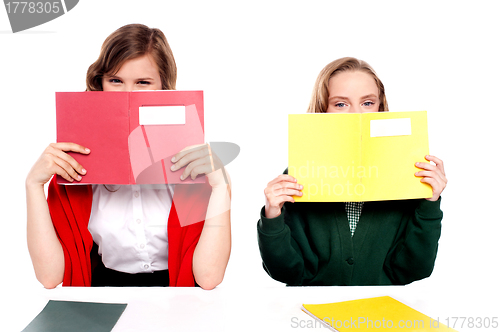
x=59, y=316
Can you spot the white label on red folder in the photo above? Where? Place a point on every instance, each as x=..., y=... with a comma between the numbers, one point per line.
x=390, y=127
x=162, y=115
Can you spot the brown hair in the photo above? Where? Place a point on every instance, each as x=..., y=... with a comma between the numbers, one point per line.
x=319, y=98
x=130, y=42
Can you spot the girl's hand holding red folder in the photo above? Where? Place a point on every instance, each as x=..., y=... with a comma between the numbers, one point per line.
x=55, y=160
x=198, y=160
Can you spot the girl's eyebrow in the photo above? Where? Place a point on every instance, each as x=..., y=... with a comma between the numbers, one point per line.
x=371, y=95
x=338, y=97
x=138, y=79
x=111, y=76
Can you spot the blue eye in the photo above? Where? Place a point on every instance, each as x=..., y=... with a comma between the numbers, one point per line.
x=114, y=80
x=340, y=105
x=368, y=103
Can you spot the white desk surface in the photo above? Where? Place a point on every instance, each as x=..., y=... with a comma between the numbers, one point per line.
x=236, y=309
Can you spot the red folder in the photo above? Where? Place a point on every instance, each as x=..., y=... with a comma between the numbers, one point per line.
x=124, y=150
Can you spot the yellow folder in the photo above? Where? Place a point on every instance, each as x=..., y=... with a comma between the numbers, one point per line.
x=373, y=314
x=358, y=157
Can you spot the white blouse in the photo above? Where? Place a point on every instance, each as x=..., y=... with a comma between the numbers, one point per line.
x=129, y=224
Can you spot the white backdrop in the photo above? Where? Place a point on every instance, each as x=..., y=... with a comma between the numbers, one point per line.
x=257, y=62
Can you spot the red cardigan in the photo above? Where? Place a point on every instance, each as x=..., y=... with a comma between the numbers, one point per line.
x=70, y=207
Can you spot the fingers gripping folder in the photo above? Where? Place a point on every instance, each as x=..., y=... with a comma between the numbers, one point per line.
x=132, y=135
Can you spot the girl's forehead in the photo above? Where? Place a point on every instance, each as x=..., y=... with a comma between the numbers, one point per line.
x=138, y=66
x=352, y=83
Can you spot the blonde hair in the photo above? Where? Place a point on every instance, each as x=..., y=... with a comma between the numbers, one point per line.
x=319, y=98
x=130, y=42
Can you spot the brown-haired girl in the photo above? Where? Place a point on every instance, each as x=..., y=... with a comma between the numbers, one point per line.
x=352, y=243
x=118, y=235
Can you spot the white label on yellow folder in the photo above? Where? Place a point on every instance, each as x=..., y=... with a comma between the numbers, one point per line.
x=337, y=159
x=390, y=127
x=162, y=115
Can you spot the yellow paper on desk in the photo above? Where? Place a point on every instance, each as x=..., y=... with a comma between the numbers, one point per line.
x=373, y=314
x=358, y=157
